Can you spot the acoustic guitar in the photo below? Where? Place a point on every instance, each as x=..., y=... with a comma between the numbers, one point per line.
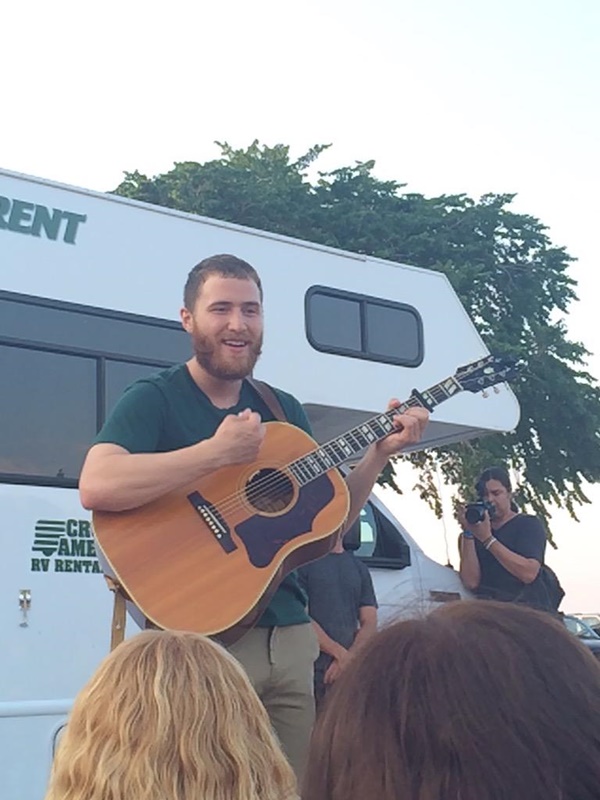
x=209, y=556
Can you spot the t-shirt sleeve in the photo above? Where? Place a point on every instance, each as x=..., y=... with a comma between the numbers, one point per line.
x=367, y=591
x=531, y=542
x=137, y=420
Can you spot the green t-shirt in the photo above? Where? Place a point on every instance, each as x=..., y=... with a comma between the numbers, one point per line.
x=168, y=411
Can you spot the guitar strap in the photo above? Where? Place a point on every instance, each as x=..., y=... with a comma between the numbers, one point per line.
x=269, y=397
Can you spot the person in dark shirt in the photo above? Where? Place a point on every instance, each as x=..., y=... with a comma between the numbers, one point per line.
x=343, y=608
x=501, y=557
x=195, y=418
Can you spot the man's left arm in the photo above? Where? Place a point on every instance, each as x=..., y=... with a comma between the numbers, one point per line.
x=362, y=478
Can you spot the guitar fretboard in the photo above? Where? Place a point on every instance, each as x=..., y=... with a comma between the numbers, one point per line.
x=343, y=447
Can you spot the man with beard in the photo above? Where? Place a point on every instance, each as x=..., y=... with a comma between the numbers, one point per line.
x=192, y=419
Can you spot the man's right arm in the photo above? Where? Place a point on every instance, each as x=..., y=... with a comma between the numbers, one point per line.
x=113, y=479
x=329, y=645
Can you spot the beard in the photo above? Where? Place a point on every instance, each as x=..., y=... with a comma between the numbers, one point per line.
x=225, y=366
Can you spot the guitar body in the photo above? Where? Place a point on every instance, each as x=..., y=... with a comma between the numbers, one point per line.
x=209, y=557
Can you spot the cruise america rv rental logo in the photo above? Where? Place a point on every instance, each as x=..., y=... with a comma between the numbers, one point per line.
x=64, y=545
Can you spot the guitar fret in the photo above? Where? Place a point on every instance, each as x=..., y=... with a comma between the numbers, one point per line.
x=360, y=438
x=430, y=398
x=368, y=433
x=381, y=425
x=325, y=459
x=354, y=440
x=313, y=464
x=336, y=451
x=301, y=473
x=386, y=422
x=449, y=387
x=439, y=394
x=347, y=449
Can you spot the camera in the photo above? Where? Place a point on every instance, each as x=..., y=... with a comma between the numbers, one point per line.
x=475, y=512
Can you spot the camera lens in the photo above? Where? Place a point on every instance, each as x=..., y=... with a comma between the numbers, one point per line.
x=474, y=513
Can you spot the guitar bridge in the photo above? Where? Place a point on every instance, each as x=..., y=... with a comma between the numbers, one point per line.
x=216, y=524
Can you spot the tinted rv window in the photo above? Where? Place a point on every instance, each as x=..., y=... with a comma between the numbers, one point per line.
x=63, y=368
x=47, y=412
x=327, y=315
x=360, y=326
x=97, y=330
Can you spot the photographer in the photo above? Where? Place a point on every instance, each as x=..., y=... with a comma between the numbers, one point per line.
x=502, y=551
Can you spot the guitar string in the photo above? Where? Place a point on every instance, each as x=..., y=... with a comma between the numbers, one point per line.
x=235, y=500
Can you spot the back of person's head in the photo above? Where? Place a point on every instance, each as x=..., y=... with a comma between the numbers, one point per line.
x=477, y=701
x=169, y=716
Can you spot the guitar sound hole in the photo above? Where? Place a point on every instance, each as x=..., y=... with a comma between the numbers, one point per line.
x=269, y=491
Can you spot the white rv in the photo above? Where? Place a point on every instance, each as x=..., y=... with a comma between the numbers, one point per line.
x=90, y=288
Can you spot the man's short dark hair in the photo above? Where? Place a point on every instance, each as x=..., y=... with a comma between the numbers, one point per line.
x=225, y=265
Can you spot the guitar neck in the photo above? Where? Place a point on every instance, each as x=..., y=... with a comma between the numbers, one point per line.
x=337, y=451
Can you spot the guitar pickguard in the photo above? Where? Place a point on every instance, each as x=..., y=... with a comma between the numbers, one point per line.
x=264, y=536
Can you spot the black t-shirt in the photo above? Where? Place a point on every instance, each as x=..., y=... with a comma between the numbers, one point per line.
x=337, y=587
x=524, y=535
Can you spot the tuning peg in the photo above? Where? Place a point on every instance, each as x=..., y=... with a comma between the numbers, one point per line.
x=496, y=390
x=485, y=393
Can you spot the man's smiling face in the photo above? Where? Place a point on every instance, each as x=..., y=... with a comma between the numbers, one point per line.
x=226, y=326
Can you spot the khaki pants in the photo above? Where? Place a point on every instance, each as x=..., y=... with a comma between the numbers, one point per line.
x=279, y=663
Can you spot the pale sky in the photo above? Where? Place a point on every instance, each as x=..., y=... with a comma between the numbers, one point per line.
x=464, y=96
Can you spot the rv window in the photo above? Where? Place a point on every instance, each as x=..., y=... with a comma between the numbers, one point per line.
x=360, y=326
x=393, y=332
x=335, y=322
x=367, y=532
x=64, y=366
x=381, y=541
x=47, y=412
x=33, y=319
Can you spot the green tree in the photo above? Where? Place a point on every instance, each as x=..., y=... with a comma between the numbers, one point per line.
x=511, y=278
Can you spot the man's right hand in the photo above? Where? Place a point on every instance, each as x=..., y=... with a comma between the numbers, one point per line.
x=334, y=670
x=480, y=530
x=239, y=437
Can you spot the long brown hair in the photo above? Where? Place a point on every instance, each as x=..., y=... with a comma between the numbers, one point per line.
x=169, y=716
x=478, y=701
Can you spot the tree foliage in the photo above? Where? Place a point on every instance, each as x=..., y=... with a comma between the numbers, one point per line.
x=511, y=278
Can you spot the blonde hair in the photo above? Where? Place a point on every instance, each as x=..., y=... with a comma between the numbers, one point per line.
x=169, y=716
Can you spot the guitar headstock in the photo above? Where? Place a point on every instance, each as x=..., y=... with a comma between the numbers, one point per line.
x=486, y=372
